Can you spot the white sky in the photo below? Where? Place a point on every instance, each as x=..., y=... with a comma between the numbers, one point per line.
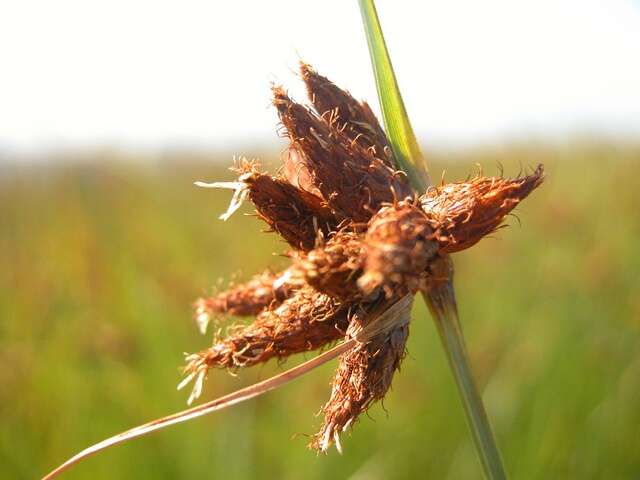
x=153, y=74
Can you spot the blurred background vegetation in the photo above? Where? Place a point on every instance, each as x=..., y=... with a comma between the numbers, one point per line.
x=101, y=258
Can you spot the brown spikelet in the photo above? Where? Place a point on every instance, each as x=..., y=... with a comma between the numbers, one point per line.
x=305, y=321
x=333, y=267
x=356, y=118
x=249, y=298
x=297, y=215
x=398, y=247
x=364, y=375
x=352, y=180
x=465, y=212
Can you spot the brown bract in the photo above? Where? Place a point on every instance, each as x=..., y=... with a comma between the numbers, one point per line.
x=363, y=244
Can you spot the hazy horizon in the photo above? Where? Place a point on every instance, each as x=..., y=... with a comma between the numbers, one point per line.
x=146, y=77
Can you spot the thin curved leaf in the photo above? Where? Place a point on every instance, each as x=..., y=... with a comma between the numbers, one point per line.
x=394, y=114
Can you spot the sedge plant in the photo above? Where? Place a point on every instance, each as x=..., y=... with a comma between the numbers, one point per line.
x=366, y=232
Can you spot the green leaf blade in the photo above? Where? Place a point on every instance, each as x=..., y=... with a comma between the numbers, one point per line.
x=394, y=114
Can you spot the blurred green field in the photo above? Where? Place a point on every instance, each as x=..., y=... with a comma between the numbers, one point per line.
x=100, y=262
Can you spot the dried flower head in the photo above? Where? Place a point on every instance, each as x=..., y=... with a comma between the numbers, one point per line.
x=363, y=244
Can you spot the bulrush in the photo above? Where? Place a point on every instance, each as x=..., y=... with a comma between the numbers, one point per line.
x=363, y=243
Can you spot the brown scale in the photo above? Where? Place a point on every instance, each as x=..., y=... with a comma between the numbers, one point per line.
x=297, y=173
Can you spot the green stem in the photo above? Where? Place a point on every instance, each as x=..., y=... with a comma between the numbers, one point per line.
x=442, y=304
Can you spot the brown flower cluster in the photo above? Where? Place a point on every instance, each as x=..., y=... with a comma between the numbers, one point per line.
x=363, y=243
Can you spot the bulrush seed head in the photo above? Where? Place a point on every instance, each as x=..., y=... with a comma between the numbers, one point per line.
x=353, y=182
x=465, y=212
x=354, y=118
x=297, y=215
x=363, y=244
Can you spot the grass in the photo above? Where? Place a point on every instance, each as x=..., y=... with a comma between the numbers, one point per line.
x=100, y=265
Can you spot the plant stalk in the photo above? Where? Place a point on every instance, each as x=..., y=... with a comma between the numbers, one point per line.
x=441, y=300
x=442, y=304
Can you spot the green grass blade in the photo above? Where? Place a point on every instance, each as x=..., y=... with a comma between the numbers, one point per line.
x=394, y=114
